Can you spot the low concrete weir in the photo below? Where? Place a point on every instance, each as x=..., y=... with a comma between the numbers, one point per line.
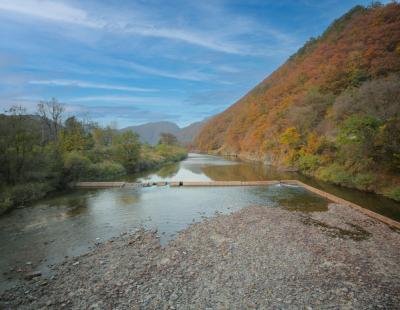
x=328, y=196
x=347, y=203
x=99, y=184
x=224, y=183
x=118, y=184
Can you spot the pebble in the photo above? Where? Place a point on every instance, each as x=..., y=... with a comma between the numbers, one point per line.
x=258, y=257
x=33, y=274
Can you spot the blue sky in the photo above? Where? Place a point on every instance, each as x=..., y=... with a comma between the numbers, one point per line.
x=129, y=62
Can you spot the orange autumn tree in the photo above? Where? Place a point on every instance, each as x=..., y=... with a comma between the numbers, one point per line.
x=353, y=68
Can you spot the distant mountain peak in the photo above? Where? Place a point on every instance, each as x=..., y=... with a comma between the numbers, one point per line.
x=150, y=132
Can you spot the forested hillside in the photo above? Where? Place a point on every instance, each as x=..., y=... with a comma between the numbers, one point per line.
x=332, y=110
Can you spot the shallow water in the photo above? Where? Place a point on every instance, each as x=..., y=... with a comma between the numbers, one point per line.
x=69, y=223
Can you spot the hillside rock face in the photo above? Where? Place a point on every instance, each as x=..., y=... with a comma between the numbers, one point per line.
x=360, y=47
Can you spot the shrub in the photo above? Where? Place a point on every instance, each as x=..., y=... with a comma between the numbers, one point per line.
x=336, y=174
x=309, y=162
x=393, y=193
x=22, y=194
x=170, y=153
x=76, y=166
x=105, y=171
x=6, y=202
x=364, y=181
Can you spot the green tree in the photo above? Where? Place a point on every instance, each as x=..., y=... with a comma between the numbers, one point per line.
x=356, y=140
x=127, y=150
x=17, y=141
x=388, y=142
x=73, y=136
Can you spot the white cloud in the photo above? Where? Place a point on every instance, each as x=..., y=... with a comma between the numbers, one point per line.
x=228, y=69
x=200, y=39
x=62, y=12
x=83, y=84
x=190, y=75
x=127, y=99
x=56, y=11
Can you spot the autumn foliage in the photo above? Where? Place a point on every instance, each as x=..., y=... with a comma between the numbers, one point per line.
x=298, y=116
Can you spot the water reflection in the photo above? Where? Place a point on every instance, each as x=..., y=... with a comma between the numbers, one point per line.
x=206, y=168
x=168, y=171
x=69, y=223
x=245, y=172
x=292, y=198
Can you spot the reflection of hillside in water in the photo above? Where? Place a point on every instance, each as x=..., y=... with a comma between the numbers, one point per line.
x=245, y=172
x=168, y=171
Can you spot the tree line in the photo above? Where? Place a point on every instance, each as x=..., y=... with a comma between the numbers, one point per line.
x=48, y=151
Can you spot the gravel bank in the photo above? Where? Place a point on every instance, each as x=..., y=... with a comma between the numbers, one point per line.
x=259, y=257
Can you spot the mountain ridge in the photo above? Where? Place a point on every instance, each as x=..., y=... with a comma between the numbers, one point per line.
x=332, y=110
x=150, y=132
x=234, y=130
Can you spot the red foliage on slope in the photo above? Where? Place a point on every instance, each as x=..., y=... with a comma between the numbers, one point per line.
x=363, y=44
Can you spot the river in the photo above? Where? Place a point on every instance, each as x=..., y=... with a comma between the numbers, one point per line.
x=69, y=224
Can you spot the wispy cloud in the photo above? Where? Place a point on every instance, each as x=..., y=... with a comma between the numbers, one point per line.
x=62, y=12
x=200, y=39
x=127, y=99
x=122, y=58
x=51, y=10
x=188, y=75
x=228, y=69
x=83, y=84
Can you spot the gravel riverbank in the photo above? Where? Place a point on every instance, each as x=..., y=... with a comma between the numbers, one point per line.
x=258, y=257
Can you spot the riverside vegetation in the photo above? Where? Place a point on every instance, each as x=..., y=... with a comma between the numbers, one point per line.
x=332, y=111
x=43, y=153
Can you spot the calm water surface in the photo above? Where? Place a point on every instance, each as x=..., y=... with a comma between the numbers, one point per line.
x=70, y=223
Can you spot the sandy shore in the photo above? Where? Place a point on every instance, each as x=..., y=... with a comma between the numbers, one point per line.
x=259, y=257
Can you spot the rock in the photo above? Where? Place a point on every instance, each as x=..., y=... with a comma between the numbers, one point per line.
x=164, y=261
x=268, y=259
x=33, y=274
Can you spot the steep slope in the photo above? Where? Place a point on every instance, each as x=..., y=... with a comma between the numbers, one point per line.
x=187, y=134
x=332, y=110
x=361, y=45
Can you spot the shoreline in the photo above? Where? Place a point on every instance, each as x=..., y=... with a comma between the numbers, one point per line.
x=257, y=257
x=330, y=197
x=71, y=187
x=258, y=159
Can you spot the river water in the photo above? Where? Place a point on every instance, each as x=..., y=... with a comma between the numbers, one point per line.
x=69, y=224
